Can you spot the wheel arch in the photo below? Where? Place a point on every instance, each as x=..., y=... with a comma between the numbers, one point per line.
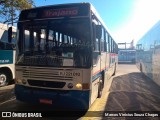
x=7, y=70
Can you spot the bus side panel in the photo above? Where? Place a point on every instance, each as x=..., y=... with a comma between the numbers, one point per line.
x=111, y=67
x=7, y=60
x=96, y=74
x=103, y=61
x=94, y=89
x=107, y=75
x=148, y=53
x=156, y=65
x=6, y=57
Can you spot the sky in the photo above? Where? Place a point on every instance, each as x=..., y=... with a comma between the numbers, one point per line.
x=127, y=20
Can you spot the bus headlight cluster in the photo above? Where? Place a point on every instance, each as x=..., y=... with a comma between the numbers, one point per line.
x=23, y=81
x=78, y=85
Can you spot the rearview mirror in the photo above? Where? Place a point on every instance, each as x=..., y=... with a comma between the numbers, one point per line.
x=98, y=31
x=13, y=46
x=9, y=34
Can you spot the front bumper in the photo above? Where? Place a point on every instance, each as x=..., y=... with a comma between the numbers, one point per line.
x=72, y=99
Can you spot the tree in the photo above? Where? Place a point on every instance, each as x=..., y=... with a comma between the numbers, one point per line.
x=10, y=9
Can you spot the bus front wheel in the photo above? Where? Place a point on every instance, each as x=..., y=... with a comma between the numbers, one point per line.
x=100, y=88
x=4, y=79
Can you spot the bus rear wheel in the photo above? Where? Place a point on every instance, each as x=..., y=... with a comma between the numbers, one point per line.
x=114, y=70
x=4, y=79
x=100, y=88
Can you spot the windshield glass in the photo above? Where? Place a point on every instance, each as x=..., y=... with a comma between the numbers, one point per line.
x=56, y=43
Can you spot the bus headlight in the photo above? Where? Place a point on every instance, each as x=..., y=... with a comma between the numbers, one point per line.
x=70, y=85
x=78, y=85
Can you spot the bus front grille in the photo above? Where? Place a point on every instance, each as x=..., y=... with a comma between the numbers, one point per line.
x=40, y=73
x=50, y=84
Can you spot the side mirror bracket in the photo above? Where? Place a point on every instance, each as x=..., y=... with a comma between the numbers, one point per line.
x=10, y=34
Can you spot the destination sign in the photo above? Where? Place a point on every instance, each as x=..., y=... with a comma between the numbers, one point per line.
x=68, y=10
x=61, y=12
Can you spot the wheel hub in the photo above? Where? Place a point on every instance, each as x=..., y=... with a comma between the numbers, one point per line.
x=3, y=79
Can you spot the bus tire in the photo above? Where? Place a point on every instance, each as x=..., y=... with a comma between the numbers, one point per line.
x=100, y=88
x=4, y=78
x=114, y=70
x=141, y=68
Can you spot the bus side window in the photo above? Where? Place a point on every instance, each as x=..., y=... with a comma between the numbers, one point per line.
x=114, y=47
x=107, y=43
x=110, y=44
x=97, y=45
x=96, y=42
x=102, y=41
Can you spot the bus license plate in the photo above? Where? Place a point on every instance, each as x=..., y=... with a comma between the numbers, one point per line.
x=45, y=101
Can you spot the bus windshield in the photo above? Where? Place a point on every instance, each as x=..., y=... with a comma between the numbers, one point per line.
x=56, y=43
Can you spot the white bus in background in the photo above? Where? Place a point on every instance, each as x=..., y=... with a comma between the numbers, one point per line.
x=126, y=55
x=148, y=53
x=7, y=55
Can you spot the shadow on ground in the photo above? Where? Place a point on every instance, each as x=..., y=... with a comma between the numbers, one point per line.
x=133, y=92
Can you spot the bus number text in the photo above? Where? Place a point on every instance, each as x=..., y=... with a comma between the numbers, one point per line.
x=69, y=73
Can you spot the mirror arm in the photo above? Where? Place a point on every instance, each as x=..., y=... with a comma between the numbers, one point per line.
x=10, y=34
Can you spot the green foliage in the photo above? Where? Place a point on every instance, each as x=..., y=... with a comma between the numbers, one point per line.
x=9, y=9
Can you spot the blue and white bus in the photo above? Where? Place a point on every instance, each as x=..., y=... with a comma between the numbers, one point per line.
x=126, y=55
x=64, y=54
x=148, y=53
x=7, y=56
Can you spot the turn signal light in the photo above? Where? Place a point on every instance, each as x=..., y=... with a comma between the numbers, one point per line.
x=85, y=86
